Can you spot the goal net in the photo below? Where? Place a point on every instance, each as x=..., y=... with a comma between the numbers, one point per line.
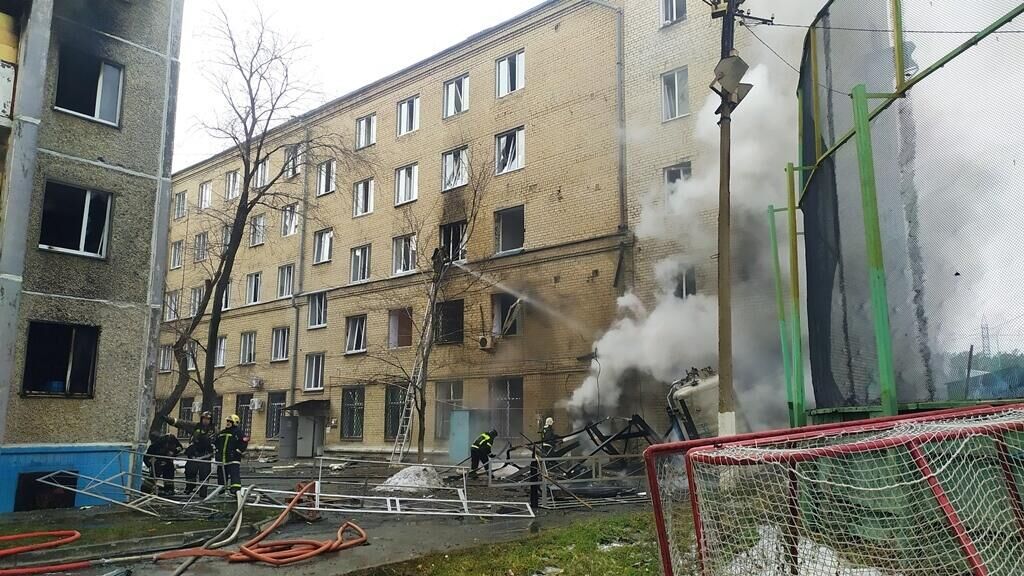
x=936, y=494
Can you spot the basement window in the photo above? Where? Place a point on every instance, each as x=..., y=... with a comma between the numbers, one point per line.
x=449, y=322
x=400, y=328
x=75, y=220
x=686, y=283
x=89, y=86
x=509, y=230
x=60, y=360
x=506, y=309
x=33, y=495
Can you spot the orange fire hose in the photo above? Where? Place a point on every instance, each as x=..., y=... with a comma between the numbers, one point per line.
x=281, y=552
x=62, y=537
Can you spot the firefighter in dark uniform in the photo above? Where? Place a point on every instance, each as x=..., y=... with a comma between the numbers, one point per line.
x=548, y=438
x=231, y=444
x=200, y=447
x=159, y=459
x=480, y=451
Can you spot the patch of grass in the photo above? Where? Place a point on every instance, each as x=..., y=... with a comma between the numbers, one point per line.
x=620, y=544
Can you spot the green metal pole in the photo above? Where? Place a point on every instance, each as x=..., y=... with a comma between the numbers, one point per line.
x=796, y=340
x=780, y=303
x=873, y=241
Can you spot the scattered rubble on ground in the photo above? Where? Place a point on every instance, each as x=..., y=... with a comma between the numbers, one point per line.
x=412, y=479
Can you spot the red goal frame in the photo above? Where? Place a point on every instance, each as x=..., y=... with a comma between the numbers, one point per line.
x=696, y=450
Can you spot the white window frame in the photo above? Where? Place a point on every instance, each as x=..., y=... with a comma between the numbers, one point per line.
x=225, y=304
x=685, y=169
x=280, y=347
x=257, y=230
x=407, y=184
x=498, y=227
x=323, y=245
x=95, y=116
x=253, y=285
x=221, y=354
x=166, y=360
x=366, y=131
x=177, y=254
x=462, y=239
x=247, y=348
x=289, y=219
x=456, y=86
x=180, y=204
x=503, y=82
x=326, y=175
x=666, y=113
x=670, y=11
x=232, y=189
x=519, y=148
x=81, y=251
x=205, y=195
x=403, y=259
x=200, y=247
x=362, y=197
x=172, y=304
x=355, y=326
x=225, y=238
x=195, y=295
x=316, y=313
x=262, y=174
x=359, y=259
x=408, y=115
x=313, y=378
x=393, y=323
x=455, y=168
x=285, y=280
x=191, y=355
x=292, y=161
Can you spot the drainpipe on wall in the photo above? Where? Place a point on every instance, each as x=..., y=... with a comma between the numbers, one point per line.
x=302, y=275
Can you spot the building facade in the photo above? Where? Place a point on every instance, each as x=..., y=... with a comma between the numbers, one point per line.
x=86, y=177
x=546, y=109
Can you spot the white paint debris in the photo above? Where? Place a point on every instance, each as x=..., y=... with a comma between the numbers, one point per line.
x=612, y=546
x=767, y=558
x=412, y=479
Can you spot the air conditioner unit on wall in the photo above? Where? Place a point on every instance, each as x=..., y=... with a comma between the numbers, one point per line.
x=256, y=404
x=486, y=342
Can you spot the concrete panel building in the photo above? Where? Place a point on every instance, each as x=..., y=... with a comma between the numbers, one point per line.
x=86, y=180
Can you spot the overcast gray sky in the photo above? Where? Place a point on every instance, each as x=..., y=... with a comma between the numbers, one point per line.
x=350, y=44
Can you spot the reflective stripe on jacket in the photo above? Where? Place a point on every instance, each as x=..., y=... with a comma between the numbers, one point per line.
x=484, y=441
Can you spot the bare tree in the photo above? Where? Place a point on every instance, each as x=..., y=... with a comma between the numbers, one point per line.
x=252, y=70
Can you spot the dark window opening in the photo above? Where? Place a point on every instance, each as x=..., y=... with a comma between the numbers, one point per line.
x=352, y=412
x=88, y=85
x=74, y=219
x=686, y=283
x=394, y=397
x=507, y=407
x=275, y=408
x=509, y=229
x=506, y=314
x=61, y=359
x=185, y=413
x=453, y=241
x=400, y=327
x=33, y=495
x=449, y=322
x=244, y=412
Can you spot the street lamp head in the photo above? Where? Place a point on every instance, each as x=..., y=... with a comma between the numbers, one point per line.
x=729, y=72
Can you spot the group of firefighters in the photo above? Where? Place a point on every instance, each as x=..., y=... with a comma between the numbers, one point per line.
x=206, y=446
x=226, y=447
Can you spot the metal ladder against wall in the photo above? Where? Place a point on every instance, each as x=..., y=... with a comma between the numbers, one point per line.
x=404, y=422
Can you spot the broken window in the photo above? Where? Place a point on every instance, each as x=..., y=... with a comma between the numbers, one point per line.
x=171, y=301
x=448, y=322
x=248, y=348
x=325, y=177
x=180, y=204
x=262, y=174
x=506, y=309
x=60, y=359
x=289, y=219
x=506, y=395
x=285, y=280
x=292, y=161
x=317, y=309
x=408, y=115
x=205, y=195
x=366, y=131
x=404, y=254
x=257, y=230
x=231, y=188
x=200, y=246
x=394, y=402
x=686, y=283
x=406, y=184
x=675, y=176
x=509, y=150
x=454, y=172
x=511, y=73
x=252, y=287
x=74, y=220
x=453, y=241
x=509, y=229
x=673, y=10
x=88, y=85
x=362, y=197
x=177, y=253
x=448, y=396
x=314, y=379
x=323, y=243
x=198, y=292
x=456, y=96
x=221, y=354
x=355, y=334
x=675, y=94
x=352, y=400
x=166, y=360
x=279, y=344
x=276, y=401
x=31, y=494
x=400, y=328
x=360, y=264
